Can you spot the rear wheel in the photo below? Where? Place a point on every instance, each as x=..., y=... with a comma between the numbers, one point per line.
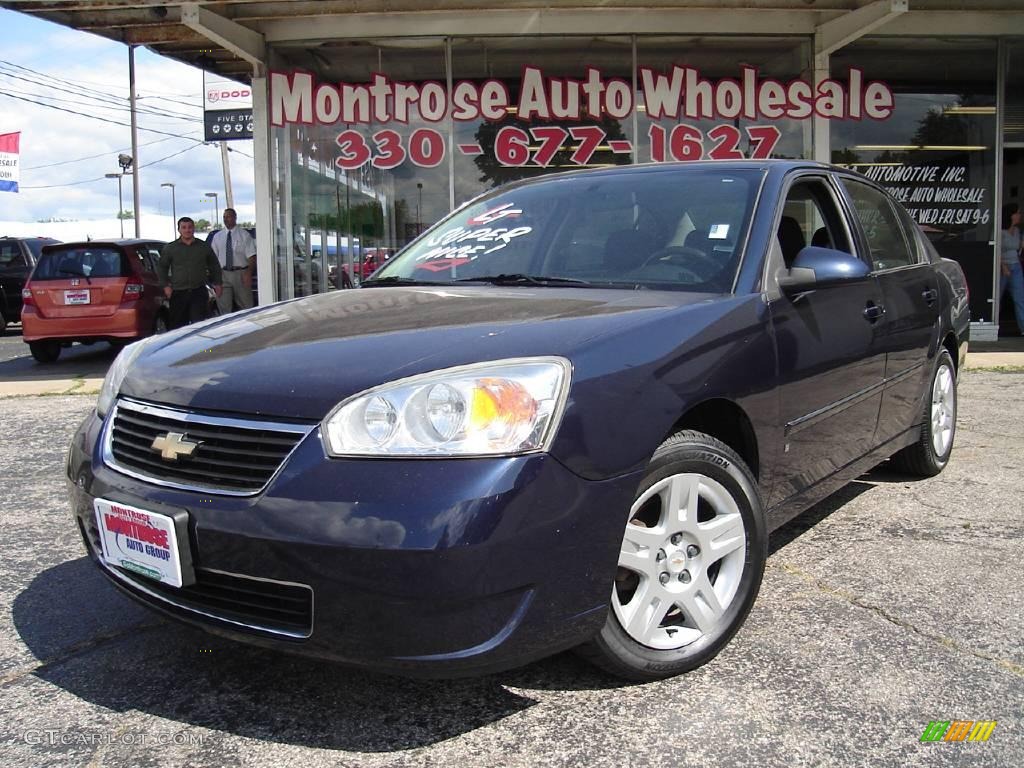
x=690, y=565
x=930, y=454
x=3, y=324
x=45, y=351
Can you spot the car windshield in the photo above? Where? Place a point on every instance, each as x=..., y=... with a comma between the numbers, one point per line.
x=37, y=245
x=675, y=229
x=64, y=263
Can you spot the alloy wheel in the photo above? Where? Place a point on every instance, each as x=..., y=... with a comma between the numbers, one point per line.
x=943, y=411
x=681, y=561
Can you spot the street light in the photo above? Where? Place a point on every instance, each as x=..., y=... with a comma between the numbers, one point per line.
x=216, y=209
x=419, y=208
x=120, y=203
x=174, y=209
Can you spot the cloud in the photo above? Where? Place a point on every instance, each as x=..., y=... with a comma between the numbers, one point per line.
x=53, y=142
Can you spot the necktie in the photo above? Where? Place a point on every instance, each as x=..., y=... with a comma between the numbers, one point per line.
x=230, y=253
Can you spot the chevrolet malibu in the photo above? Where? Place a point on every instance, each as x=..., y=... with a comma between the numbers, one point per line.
x=567, y=416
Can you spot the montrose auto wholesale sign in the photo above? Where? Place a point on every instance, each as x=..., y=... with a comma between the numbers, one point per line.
x=576, y=115
x=227, y=110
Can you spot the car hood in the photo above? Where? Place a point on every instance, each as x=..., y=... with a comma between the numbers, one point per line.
x=300, y=358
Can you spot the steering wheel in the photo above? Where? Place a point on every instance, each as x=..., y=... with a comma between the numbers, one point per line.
x=692, y=260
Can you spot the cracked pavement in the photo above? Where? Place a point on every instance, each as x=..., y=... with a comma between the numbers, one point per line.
x=890, y=604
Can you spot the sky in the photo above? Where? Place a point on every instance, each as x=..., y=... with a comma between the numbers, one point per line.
x=64, y=156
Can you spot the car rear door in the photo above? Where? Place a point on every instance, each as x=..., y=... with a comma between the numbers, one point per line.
x=910, y=298
x=79, y=282
x=830, y=358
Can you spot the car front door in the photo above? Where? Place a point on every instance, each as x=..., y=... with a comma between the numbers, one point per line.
x=830, y=358
x=910, y=297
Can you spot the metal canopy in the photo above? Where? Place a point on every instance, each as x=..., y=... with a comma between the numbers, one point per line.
x=227, y=37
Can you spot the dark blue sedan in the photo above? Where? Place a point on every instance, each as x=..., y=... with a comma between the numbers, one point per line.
x=567, y=416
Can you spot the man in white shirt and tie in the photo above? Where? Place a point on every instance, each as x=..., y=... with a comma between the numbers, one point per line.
x=236, y=252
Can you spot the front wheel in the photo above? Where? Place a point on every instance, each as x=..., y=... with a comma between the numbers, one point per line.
x=690, y=565
x=930, y=454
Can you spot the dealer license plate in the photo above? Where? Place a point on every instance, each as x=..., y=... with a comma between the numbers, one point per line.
x=76, y=297
x=139, y=541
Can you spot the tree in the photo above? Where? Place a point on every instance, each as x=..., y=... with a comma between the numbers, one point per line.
x=126, y=215
x=202, y=225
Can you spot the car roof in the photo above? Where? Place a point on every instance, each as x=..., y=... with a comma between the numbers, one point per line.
x=116, y=243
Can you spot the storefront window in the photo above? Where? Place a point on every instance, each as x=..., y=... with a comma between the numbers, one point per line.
x=936, y=152
x=734, y=98
x=569, y=107
x=360, y=173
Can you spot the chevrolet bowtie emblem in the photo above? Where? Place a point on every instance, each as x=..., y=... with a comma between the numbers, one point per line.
x=173, y=444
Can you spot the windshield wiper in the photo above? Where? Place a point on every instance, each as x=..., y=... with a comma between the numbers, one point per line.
x=519, y=278
x=397, y=280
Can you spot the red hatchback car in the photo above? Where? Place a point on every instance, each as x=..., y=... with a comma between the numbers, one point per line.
x=93, y=291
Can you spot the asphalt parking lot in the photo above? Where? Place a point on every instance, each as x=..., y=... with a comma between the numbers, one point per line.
x=889, y=605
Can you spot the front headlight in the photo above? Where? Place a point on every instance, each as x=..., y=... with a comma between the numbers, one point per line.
x=117, y=371
x=486, y=409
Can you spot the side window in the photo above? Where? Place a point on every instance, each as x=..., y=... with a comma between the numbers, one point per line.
x=152, y=258
x=810, y=217
x=11, y=255
x=881, y=227
x=917, y=239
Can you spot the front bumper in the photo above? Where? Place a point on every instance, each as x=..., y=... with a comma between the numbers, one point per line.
x=435, y=567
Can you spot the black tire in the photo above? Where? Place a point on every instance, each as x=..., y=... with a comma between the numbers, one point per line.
x=727, y=492
x=45, y=351
x=923, y=458
x=3, y=324
x=160, y=323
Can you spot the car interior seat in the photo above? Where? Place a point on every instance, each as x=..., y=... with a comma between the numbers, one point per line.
x=821, y=238
x=71, y=266
x=791, y=238
x=628, y=249
x=107, y=265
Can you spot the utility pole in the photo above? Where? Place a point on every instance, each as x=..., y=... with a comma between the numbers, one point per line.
x=135, y=140
x=228, y=196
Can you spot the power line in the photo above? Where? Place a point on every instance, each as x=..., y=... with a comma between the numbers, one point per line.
x=93, y=157
x=116, y=102
x=94, y=117
x=82, y=83
x=101, y=178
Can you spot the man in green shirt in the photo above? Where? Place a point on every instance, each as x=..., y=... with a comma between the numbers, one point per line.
x=185, y=268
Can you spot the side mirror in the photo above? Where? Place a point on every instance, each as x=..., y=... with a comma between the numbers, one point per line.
x=815, y=268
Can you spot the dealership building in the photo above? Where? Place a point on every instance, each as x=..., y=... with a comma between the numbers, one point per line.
x=374, y=118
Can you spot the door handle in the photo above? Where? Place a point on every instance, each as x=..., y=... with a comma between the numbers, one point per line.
x=929, y=295
x=873, y=313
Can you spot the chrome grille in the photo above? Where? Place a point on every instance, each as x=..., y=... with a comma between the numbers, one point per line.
x=234, y=456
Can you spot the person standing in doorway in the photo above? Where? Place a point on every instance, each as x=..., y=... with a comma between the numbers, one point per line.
x=185, y=268
x=236, y=252
x=1011, y=273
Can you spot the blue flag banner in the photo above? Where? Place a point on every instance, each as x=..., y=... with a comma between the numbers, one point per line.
x=9, y=157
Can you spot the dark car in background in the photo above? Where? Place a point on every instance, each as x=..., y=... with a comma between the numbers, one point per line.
x=568, y=415
x=17, y=257
x=94, y=291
